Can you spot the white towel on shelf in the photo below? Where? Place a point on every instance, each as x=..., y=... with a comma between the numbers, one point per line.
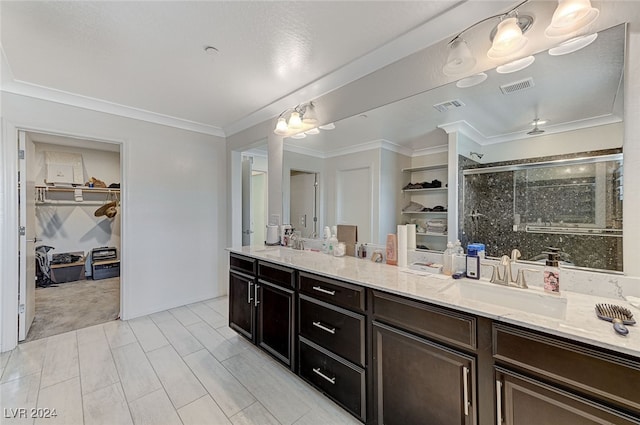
x=402, y=245
x=77, y=194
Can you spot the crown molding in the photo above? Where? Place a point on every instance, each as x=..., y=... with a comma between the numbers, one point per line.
x=59, y=96
x=430, y=151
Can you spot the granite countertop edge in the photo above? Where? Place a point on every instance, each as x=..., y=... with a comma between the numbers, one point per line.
x=580, y=323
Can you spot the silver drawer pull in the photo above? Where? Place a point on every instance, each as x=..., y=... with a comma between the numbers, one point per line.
x=324, y=328
x=324, y=291
x=317, y=372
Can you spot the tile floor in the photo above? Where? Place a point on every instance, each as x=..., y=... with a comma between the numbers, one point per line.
x=181, y=366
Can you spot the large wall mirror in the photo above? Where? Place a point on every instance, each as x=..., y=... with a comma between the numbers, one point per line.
x=579, y=95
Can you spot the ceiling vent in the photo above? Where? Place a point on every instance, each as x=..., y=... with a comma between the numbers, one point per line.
x=448, y=105
x=527, y=83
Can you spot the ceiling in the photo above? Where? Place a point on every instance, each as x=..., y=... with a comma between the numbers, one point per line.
x=146, y=59
x=149, y=56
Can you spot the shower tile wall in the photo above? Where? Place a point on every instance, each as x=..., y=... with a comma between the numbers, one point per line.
x=487, y=206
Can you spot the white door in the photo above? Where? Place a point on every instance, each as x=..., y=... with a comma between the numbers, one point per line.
x=28, y=239
x=246, y=202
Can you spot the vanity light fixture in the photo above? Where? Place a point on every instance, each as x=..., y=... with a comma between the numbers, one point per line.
x=573, y=44
x=507, y=39
x=300, y=121
x=516, y=65
x=571, y=16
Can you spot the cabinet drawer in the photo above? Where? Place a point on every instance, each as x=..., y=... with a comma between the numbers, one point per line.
x=332, y=291
x=333, y=328
x=283, y=276
x=611, y=378
x=242, y=263
x=424, y=319
x=341, y=381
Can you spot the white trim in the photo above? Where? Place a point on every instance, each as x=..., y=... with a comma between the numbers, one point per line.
x=430, y=151
x=66, y=98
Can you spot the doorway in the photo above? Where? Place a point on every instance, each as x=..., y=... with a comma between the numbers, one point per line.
x=254, y=196
x=70, y=209
x=304, y=200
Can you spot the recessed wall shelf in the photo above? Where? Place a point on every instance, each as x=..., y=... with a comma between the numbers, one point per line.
x=425, y=168
x=444, y=235
x=429, y=189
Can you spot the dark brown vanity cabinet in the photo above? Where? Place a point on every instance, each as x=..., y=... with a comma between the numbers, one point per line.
x=543, y=380
x=332, y=337
x=416, y=378
x=275, y=301
x=242, y=281
x=262, y=305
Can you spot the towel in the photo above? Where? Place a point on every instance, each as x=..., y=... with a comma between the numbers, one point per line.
x=77, y=194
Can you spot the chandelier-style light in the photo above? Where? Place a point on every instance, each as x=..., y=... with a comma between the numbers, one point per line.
x=302, y=121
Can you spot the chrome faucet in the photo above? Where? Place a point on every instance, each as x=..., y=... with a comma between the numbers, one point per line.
x=297, y=242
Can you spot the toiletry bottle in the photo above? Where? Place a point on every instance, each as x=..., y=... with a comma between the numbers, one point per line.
x=392, y=249
x=326, y=234
x=552, y=271
x=473, y=261
x=447, y=259
x=458, y=258
x=333, y=243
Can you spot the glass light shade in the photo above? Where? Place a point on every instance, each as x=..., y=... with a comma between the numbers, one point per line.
x=573, y=45
x=508, y=40
x=329, y=126
x=295, y=123
x=516, y=65
x=571, y=16
x=312, y=131
x=309, y=118
x=281, y=127
x=299, y=136
x=459, y=60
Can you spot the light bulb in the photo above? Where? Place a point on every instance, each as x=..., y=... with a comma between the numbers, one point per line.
x=508, y=39
x=295, y=122
x=281, y=127
x=571, y=16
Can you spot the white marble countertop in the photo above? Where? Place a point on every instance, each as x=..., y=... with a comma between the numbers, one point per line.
x=578, y=320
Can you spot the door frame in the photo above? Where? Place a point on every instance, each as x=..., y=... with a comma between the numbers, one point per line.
x=9, y=241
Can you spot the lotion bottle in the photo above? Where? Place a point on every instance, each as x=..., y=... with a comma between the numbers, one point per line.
x=333, y=243
x=552, y=271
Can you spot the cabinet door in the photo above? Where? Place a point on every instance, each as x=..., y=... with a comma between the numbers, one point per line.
x=241, y=304
x=525, y=401
x=275, y=320
x=420, y=382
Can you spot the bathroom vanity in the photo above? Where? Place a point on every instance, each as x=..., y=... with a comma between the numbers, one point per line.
x=395, y=347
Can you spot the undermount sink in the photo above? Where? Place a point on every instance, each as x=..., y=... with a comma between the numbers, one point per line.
x=532, y=300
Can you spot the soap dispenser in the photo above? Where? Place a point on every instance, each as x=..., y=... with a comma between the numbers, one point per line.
x=552, y=271
x=326, y=235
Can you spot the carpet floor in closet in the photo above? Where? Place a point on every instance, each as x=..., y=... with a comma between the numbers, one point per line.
x=74, y=305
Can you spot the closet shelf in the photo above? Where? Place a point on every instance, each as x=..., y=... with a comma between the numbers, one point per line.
x=83, y=188
x=425, y=212
x=425, y=168
x=428, y=189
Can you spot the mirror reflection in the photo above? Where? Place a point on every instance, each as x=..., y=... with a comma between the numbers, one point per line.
x=573, y=204
x=540, y=113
